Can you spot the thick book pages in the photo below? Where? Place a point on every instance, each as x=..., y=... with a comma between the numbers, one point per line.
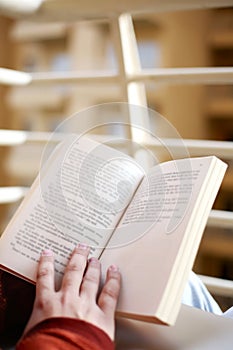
x=150, y=225
x=165, y=236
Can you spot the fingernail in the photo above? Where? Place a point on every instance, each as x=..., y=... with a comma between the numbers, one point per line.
x=114, y=268
x=93, y=260
x=47, y=252
x=82, y=246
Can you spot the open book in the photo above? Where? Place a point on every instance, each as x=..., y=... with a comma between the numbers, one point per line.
x=150, y=224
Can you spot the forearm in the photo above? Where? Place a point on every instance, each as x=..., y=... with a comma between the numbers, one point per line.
x=67, y=333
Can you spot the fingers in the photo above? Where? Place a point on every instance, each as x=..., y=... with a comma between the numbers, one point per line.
x=45, y=273
x=75, y=269
x=91, y=280
x=75, y=280
x=109, y=295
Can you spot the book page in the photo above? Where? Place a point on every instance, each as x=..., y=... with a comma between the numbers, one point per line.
x=161, y=200
x=79, y=197
x=157, y=230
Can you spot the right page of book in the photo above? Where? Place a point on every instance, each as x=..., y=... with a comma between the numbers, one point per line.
x=157, y=239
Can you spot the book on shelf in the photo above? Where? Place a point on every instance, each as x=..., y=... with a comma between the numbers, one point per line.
x=150, y=223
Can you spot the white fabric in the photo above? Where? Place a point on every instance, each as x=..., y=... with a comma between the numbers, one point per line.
x=197, y=295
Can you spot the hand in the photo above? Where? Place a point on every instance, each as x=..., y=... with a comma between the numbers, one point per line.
x=77, y=297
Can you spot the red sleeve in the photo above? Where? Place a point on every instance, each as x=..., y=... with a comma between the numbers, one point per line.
x=65, y=333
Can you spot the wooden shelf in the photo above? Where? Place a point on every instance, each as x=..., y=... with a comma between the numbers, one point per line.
x=227, y=183
x=220, y=246
x=29, y=31
x=221, y=29
x=220, y=107
x=34, y=97
x=24, y=169
x=221, y=39
x=70, y=10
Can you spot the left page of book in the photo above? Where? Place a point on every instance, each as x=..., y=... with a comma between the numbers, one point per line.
x=80, y=196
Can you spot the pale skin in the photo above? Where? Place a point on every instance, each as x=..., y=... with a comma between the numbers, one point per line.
x=79, y=295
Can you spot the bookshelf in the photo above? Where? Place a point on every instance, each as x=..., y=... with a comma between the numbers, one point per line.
x=215, y=255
